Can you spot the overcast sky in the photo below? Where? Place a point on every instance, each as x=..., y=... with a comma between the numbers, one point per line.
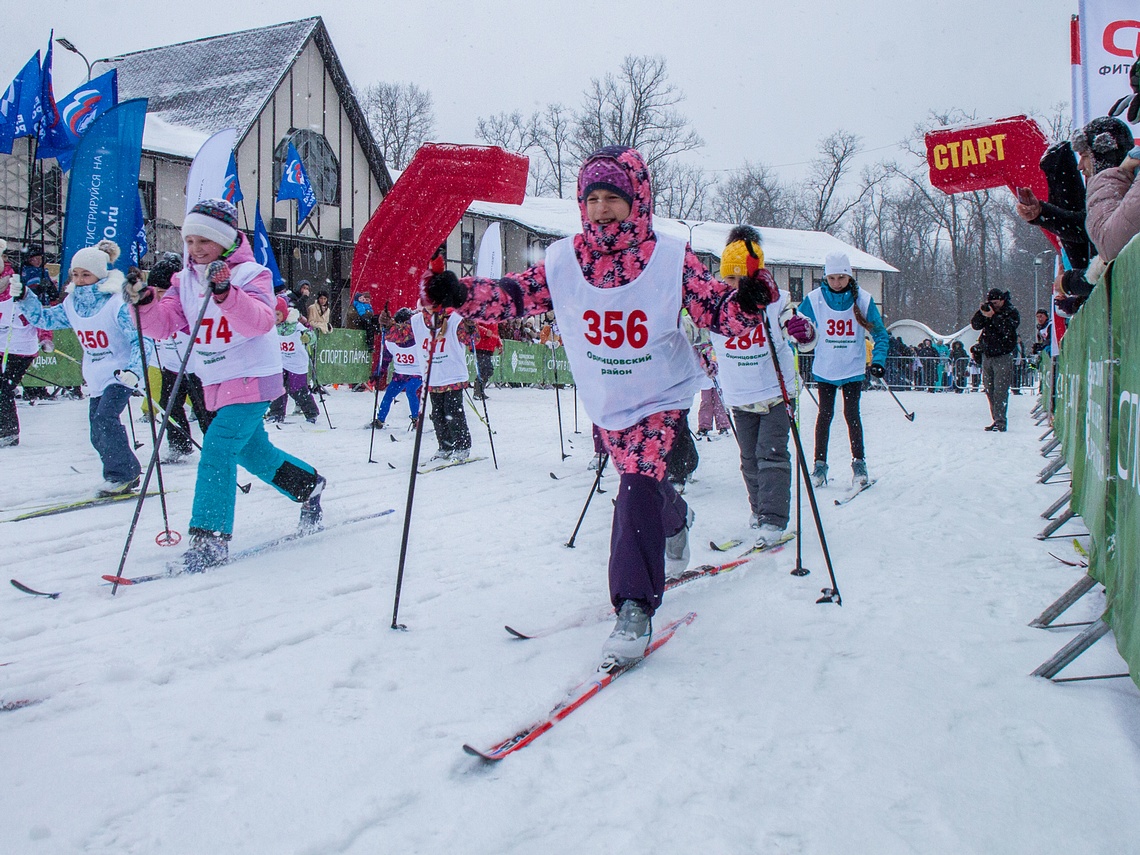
x=762, y=81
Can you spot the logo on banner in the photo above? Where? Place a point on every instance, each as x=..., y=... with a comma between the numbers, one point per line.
x=81, y=109
x=1112, y=44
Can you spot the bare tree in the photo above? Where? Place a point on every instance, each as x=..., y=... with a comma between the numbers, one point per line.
x=822, y=205
x=401, y=117
x=511, y=131
x=754, y=195
x=682, y=190
x=637, y=108
x=553, y=135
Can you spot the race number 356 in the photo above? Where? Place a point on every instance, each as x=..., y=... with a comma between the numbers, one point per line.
x=614, y=329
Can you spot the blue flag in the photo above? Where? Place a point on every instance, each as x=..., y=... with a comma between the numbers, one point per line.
x=20, y=108
x=50, y=131
x=78, y=110
x=232, y=189
x=103, y=194
x=295, y=185
x=262, y=251
x=139, y=246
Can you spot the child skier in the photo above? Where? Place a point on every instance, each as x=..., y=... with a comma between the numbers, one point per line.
x=407, y=374
x=449, y=374
x=844, y=314
x=239, y=362
x=617, y=290
x=112, y=364
x=751, y=387
x=295, y=362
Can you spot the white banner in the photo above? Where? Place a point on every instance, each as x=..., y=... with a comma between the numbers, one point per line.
x=207, y=178
x=490, y=261
x=1110, y=43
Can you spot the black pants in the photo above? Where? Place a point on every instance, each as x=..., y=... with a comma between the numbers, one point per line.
x=449, y=420
x=851, y=393
x=9, y=380
x=484, y=368
x=178, y=433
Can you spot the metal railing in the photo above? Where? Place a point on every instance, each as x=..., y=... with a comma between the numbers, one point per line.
x=934, y=374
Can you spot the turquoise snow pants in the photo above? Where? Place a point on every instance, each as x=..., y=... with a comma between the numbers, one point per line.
x=236, y=436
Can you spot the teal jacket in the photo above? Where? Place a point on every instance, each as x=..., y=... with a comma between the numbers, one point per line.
x=841, y=301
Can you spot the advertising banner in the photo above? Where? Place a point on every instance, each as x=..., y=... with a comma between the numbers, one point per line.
x=1110, y=42
x=55, y=369
x=341, y=356
x=1001, y=153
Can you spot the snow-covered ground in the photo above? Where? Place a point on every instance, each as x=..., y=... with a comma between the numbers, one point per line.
x=269, y=708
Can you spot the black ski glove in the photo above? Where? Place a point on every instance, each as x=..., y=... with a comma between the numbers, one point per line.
x=444, y=290
x=756, y=291
x=877, y=370
x=218, y=277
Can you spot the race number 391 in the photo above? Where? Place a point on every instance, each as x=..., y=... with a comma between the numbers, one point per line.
x=614, y=329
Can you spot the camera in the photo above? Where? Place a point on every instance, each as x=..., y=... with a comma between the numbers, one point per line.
x=987, y=306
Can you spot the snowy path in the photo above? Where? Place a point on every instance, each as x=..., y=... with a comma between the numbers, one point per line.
x=268, y=708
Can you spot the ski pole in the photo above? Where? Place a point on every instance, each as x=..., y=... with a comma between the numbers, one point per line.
x=166, y=537
x=727, y=410
x=131, y=421
x=486, y=415
x=830, y=595
x=558, y=404
x=576, y=409
x=799, y=569
x=435, y=328
x=376, y=396
x=162, y=433
x=909, y=416
x=586, y=507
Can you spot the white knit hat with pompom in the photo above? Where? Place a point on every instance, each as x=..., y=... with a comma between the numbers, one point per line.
x=95, y=259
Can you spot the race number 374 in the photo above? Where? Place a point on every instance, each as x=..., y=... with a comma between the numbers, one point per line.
x=614, y=329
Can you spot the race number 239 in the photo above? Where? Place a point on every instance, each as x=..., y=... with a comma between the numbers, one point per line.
x=614, y=329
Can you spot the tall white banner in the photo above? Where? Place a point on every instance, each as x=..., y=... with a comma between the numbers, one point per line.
x=207, y=178
x=489, y=264
x=1110, y=43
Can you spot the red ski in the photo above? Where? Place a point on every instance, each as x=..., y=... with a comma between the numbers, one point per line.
x=574, y=699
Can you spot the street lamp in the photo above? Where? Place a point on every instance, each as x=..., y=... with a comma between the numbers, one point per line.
x=1036, y=265
x=67, y=45
x=690, y=228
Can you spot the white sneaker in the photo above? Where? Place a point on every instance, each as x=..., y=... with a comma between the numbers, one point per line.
x=116, y=488
x=461, y=454
x=440, y=456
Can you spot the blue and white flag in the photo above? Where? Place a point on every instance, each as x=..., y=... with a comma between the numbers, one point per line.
x=20, y=108
x=207, y=178
x=232, y=191
x=139, y=246
x=77, y=111
x=295, y=185
x=103, y=192
x=262, y=251
x=50, y=132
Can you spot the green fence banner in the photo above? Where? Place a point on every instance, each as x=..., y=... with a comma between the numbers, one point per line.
x=340, y=356
x=531, y=365
x=55, y=368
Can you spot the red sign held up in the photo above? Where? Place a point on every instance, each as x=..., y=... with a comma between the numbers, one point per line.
x=1001, y=153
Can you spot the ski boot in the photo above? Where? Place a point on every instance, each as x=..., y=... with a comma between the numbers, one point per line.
x=819, y=474
x=632, y=632
x=111, y=489
x=311, y=512
x=207, y=549
x=858, y=473
x=768, y=535
x=677, y=549
x=461, y=454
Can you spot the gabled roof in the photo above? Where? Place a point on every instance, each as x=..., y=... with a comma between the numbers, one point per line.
x=226, y=81
x=791, y=247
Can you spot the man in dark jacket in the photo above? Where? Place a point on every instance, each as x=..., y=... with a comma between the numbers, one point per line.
x=998, y=321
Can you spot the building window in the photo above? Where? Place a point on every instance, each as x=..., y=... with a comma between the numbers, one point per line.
x=796, y=288
x=147, y=200
x=320, y=162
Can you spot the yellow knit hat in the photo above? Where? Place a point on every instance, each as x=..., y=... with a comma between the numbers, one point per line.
x=735, y=257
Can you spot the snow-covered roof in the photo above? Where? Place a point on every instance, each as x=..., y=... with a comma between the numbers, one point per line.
x=165, y=138
x=789, y=247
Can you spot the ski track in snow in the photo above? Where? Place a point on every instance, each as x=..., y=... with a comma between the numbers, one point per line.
x=269, y=707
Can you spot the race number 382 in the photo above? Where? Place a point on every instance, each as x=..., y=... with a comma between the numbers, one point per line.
x=614, y=329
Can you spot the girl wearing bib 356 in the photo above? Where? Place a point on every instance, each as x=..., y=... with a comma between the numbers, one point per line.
x=112, y=365
x=617, y=290
x=844, y=315
x=238, y=358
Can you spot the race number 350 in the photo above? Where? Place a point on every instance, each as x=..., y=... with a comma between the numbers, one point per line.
x=614, y=329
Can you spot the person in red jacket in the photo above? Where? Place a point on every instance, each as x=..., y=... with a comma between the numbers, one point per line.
x=486, y=346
